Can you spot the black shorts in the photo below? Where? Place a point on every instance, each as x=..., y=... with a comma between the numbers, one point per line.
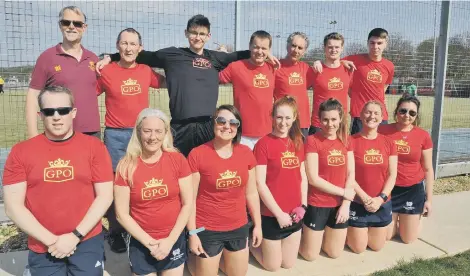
x=408, y=200
x=143, y=263
x=313, y=129
x=214, y=242
x=192, y=132
x=88, y=260
x=317, y=218
x=359, y=217
x=272, y=230
x=304, y=133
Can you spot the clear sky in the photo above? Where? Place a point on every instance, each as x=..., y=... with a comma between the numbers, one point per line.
x=29, y=27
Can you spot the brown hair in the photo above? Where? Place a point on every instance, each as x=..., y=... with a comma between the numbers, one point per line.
x=333, y=104
x=335, y=36
x=55, y=90
x=263, y=35
x=232, y=109
x=295, y=134
x=406, y=98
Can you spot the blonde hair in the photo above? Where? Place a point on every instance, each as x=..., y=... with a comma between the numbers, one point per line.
x=127, y=165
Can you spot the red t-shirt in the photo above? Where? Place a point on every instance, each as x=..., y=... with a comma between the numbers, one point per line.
x=410, y=146
x=59, y=178
x=253, y=88
x=369, y=82
x=331, y=83
x=126, y=93
x=371, y=159
x=283, y=176
x=292, y=79
x=332, y=166
x=155, y=201
x=221, y=199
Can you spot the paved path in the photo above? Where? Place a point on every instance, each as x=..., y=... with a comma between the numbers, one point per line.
x=445, y=233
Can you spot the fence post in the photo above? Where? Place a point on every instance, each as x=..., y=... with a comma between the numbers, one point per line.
x=238, y=21
x=441, y=68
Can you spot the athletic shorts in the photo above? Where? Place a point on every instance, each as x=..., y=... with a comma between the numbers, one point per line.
x=359, y=217
x=116, y=141
x=317, y=218
x=313, y=129
x=88, y=260
x=272, y=230
x=192, y=132
x=143, y=263
x=408, y=200
x=214, y=242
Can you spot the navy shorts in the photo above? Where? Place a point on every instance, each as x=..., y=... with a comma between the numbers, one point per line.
x=359, y=217
x=408, y=200
x=143, y=263
x=272, y=230
x=356, y=125
x=214, y=242
x=317, y=218
x=88, y=260
x=116, y=141
x=313, y=129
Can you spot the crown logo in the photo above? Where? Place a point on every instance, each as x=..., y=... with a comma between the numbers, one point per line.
x=375, y=72
x=130, y=82
x=401, y=143
x=336, y=80
x=372, y=152
x=288, y=154
x=336, y=153
x=153, y=183
x=260, y=77
x=228, y=174
x=59, y=163
x=295, y=75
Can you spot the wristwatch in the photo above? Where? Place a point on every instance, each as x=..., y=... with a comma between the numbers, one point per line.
x=383, y=196
x=77, y=234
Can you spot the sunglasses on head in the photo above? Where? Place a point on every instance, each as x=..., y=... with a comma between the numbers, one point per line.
x=48, y=112
x=221, y=121
x=76, y=24
x=403, y=111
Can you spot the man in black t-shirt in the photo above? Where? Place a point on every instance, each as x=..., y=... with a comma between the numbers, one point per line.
x=192, y=80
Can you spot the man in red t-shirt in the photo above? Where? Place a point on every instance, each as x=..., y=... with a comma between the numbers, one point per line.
x=253, y=88
x=126, y=85
x=57, y=186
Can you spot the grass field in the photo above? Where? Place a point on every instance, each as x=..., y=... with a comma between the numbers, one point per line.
x=13, y=124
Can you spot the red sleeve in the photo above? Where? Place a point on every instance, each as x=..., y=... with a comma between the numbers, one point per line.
x=310, y=77
x=251, y=159
x=193, y=161
x=351, y=77
x=226, y=75
x=311, y=145
x=392, y=72
x=427, y=141
x=102, y=168
x=40, y=74
x=99, y=86
x=119, y=181
x=301, y=153
x=391, y=146
x=184, y=166
x=14, y=170
x=154, y=79
x=261, y=153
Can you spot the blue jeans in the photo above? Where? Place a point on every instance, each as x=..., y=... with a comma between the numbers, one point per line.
x=116, y=141
x=356, y=125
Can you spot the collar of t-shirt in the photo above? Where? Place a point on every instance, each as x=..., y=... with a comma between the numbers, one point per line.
x=85, y=53
x=60, y=141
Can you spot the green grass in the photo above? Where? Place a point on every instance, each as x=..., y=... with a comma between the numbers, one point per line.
x=13, y=123
x=458, y=265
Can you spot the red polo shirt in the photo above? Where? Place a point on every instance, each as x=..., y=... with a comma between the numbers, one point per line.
x=55, y=67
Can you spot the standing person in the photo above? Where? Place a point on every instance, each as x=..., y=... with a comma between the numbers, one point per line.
x=153, y=197
x=192, y=80
x=253, y=88
x=334, y=81
x=59, y=197
x=224, y=186
x=282, y=186
x=2, y=82
x=375, y=158
x=330, y=170
x=291, y=78
x=126, y=86
x=70, y=65
x=411, y=199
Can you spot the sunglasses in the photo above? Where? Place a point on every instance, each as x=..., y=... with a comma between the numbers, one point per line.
x=403, y=111
x=76, y=24
x=221, y=121
x=48, y=112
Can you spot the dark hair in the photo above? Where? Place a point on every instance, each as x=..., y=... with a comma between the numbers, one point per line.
x=263, y=35
x=199, y=20
x=335, y=36
x=55, y=90
x=406, y=98
x=232, y=109
x=378, y=32
x=333, y=104
x=295, y=134
x=129, y=30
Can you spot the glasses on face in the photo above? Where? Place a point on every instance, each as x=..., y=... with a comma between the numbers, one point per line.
x=76, y=24
x=194, y=34
x=221, y=121
x=403, y=111
x=48, y=112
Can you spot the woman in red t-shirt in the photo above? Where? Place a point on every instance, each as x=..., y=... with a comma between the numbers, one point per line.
x=225, y=185
x=153, y=197
x=414, y=148
x=375, y=160
x=282, y=185
x=330, y=171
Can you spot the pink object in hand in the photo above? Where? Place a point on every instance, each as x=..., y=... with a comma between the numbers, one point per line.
x=297, y=214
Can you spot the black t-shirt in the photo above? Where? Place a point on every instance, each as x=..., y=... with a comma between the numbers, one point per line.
x=192, y=79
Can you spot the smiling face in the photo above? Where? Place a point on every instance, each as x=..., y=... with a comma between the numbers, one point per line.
x=57, y=127
x=405, y=112
x=71, y=33
x=129, y=46
x=223, y=128
x=333, y=49
x=371, y=116
x=259, y=50
x=283, y=119
x=152, y=132
x=197, y=37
